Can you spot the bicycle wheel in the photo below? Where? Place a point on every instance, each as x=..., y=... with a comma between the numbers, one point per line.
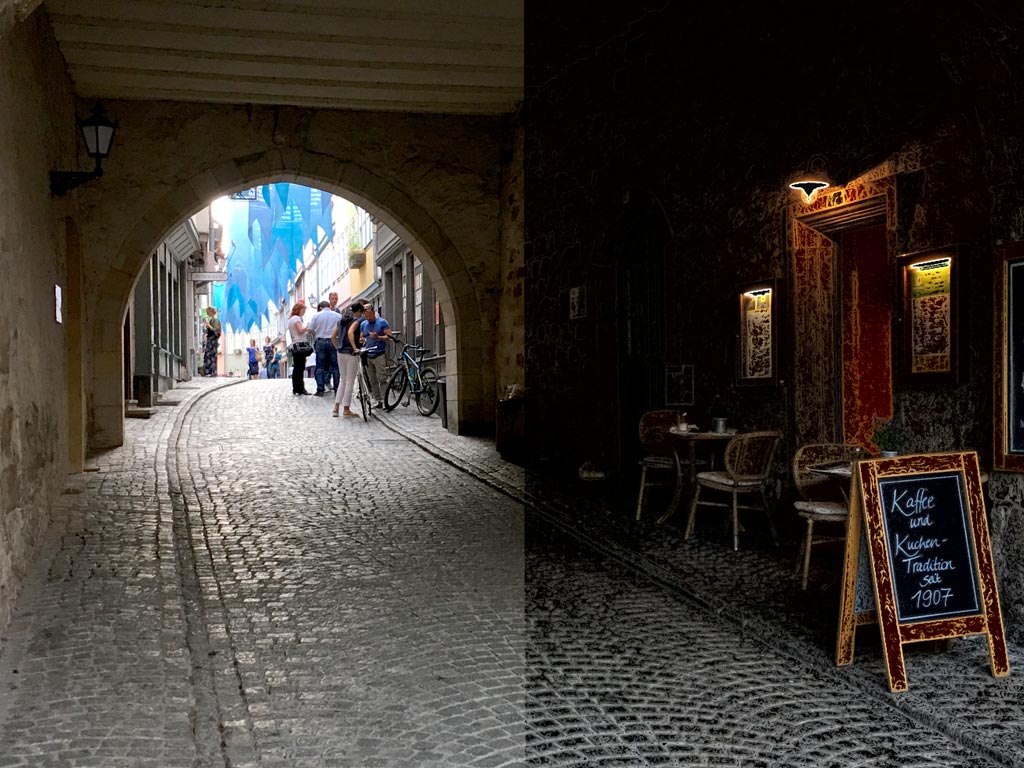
x=364, y=393
x=427, y=398
x=395, y=389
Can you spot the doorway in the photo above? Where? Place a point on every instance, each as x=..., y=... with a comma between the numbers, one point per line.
x=636, y=242
x=865, y=310
x=842, y=289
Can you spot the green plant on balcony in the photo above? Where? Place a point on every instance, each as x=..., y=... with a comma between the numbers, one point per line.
x=356, y=252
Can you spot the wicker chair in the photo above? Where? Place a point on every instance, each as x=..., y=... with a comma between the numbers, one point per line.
x=822, y=499
x=748, y=462
x=659, y=453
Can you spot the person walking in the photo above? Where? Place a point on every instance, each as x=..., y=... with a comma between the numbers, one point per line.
x=375, y=331
x=268, y=354
x=212, y=342
x=299, y=347
x=254, y=363
x=274, y=369
x=346, y=340
x=323, y=324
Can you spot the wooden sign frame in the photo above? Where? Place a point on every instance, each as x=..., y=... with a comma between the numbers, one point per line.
x=852, y=615
x=1008, y=419
x=986, y=620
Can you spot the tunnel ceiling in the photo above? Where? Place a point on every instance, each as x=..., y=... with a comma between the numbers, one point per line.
x=438, y=56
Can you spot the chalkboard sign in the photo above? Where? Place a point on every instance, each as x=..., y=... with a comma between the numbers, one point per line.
x=929, y=543
x=931, y=560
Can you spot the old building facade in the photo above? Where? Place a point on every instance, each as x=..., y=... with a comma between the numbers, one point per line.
x=659, y=185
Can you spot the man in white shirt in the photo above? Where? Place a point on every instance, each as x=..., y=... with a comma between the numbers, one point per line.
x=323, y=325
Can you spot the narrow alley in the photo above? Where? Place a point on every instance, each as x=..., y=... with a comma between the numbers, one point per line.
x=248, y=581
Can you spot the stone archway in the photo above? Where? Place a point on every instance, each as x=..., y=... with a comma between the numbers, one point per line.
x=453, y=228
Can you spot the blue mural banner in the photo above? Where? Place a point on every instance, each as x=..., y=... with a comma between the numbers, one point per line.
x=268, y=236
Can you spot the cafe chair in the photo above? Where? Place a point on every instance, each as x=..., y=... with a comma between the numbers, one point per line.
x=659, y=454
x=748, y=462
x=822, y=499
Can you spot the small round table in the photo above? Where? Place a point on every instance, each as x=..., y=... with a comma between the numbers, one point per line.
x=687, y=441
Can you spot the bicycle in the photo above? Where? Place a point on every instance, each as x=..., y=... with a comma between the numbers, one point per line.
x=412, y=375
x=364, y=388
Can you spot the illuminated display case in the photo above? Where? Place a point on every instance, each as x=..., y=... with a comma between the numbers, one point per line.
x=757, y=338
x=930, y=317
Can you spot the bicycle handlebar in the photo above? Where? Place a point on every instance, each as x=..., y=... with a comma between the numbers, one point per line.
x=406, y=346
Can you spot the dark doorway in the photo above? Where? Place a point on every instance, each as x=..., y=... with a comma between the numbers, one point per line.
x=126, y=352
x=636, y=242
x=842, y=303
x=866, y=322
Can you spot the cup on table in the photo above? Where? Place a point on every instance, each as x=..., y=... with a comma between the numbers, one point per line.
x=718, y=425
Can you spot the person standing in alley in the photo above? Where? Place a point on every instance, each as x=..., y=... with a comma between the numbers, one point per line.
x=212, y=342
x=254, y=362
x=374, y=332
x=332, y=297
x=274, y=368
x=323, y=325
x=346, y=340
x=299, y=347
x=268, y=354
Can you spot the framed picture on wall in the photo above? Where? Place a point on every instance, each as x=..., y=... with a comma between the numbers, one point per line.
x=757, y=340
x=929, y=316
x=678, y=385
x=1008, y=356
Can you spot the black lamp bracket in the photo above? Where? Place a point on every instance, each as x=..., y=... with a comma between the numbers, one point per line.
x=62, y=182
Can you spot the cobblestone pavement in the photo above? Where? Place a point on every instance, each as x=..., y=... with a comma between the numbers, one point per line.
x=757, y=592
x=249, y=582
x=622, y=674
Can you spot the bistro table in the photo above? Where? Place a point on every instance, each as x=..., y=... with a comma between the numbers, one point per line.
x=684, y=446
x=840, y=471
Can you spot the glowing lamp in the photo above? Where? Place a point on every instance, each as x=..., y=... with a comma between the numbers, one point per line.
x=809, y=188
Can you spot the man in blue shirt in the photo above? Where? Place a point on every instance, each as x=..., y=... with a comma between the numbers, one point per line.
x=375, y=331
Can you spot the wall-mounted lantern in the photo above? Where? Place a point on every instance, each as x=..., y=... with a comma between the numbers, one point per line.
x=809, y=187
x=98, y=133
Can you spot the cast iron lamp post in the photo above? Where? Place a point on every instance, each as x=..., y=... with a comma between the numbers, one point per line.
x=98, y=133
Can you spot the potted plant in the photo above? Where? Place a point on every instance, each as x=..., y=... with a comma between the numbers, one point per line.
x=356, y=253
x=891, y=436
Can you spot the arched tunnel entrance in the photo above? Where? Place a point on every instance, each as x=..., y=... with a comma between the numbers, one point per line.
x=450, y=217
x=250, y=257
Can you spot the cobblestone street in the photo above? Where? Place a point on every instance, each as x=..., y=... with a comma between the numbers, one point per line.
x=250, y=582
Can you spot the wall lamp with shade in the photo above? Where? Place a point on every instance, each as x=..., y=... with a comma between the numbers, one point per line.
x=809, y=187
x=98, y=133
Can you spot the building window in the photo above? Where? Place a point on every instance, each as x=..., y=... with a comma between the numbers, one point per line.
x=418, y=292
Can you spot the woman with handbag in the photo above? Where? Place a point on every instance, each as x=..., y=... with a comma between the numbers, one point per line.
x=211, y=327
x=300, y=348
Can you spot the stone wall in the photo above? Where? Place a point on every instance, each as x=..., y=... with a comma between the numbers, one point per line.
x=37, y=131
x=434, y=180
x=509, y=361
